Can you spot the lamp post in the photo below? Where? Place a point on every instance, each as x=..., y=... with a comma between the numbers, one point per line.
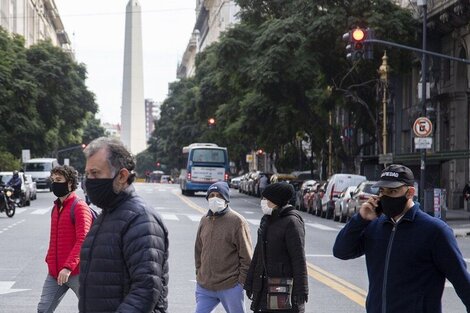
x=384, y=69
x=422, y=180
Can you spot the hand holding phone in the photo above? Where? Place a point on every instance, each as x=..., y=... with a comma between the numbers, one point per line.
x=368, y=210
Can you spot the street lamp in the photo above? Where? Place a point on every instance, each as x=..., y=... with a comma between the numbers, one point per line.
x=424, y=6
x=384, y=69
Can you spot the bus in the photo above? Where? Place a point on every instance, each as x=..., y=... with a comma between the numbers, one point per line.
x=204, y=164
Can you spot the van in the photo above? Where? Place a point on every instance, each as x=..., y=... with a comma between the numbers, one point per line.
x=40, y=170
x=336, y=184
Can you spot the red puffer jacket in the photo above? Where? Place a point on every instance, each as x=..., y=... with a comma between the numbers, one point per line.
x=67, y=237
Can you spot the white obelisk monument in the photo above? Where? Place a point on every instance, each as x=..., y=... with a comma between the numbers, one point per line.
x=133, y=105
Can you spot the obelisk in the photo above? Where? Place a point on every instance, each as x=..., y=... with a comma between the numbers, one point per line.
x=133, y=105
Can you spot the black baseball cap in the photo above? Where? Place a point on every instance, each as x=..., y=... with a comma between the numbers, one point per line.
x=394, y=176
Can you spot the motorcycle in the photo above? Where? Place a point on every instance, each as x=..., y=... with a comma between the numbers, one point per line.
x=7, y=204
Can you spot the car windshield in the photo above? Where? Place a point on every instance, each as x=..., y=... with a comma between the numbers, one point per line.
x=372, y=190
x=4, y=179
x=38, y=167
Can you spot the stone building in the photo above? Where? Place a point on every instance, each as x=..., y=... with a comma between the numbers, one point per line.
x=35, y=20
x=212, y=18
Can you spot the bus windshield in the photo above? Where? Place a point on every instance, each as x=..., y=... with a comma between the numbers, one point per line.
x=208, y=155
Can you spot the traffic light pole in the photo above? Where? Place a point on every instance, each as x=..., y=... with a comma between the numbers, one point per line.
x=422, y=177
x=426, y=52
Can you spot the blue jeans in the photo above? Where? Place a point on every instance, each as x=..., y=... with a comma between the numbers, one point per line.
x=52, y=293
x=233, y=299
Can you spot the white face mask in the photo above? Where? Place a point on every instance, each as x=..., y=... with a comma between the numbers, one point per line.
x=216, y=204
x=265, y=208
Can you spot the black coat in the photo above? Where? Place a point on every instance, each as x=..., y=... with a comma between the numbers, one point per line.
x=124, y=260
x=284, y=236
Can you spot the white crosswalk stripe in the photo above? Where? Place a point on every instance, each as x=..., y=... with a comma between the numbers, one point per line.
x=194, y=218
x=254, y=222
x=170, y=217
x=41, y=211
x=322, y=227
x=19, y=211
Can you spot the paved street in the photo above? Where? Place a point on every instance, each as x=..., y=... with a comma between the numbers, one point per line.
x=335, y=286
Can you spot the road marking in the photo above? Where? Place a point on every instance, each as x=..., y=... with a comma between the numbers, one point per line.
x=254, y=222
x=161, y=208
x=190, y=203
x=347, y=289
x=11, y=226
x=19, y=211
x=194, y=217
x=41, y=211
x=171, y=217
x=5, y=287
x=321, y=226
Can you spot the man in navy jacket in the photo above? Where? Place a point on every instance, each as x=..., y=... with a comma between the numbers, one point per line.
x=409, y=254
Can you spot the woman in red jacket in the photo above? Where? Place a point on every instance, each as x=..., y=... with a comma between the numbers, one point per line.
x=70, y=222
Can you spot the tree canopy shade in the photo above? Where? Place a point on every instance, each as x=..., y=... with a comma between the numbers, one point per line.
x=277, y=74
x=44, y=103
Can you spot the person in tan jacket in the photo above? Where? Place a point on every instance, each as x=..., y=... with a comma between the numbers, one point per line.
x=223, y=251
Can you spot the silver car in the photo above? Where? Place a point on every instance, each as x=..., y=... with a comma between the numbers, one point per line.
x=341, y=204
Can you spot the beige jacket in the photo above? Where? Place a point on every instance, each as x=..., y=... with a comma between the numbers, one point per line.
x=223, y=251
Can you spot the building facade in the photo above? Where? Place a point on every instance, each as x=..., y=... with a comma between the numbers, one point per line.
x=212, y=18
x=152, y=113
x=447, y=104
x=35, y=20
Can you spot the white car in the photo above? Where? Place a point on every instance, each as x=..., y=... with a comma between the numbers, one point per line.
x=235, y=182
x=32, y=186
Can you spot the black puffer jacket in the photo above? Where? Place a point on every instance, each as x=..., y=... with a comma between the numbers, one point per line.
x=124, y=260
x=284, y=237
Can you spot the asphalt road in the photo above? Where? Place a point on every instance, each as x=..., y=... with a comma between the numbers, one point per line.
x=335, y=285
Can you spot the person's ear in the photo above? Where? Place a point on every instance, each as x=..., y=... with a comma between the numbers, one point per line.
x=411, y=192
x=123, y=175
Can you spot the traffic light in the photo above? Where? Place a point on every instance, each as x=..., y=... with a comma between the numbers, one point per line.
x=260, y=152
x=357, y=48
x=83, y=146
x=158, y=164
x=211, y=122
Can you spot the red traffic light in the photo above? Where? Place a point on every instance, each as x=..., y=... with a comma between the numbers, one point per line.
x=83, y=146
x=260, y=152
x=211, y=121
x=158, y=164
x=358, y=34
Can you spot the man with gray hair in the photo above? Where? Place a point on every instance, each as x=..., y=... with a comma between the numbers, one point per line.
x=124, y=258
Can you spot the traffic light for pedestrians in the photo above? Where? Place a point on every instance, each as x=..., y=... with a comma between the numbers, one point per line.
x=357, y=48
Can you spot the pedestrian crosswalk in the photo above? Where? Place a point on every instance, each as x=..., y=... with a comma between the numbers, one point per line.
x=169, y=215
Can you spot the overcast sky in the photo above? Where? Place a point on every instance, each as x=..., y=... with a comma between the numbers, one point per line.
x=96, y=29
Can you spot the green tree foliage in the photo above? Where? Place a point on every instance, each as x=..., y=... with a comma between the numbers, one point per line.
x=278, y=73
x=44, y=103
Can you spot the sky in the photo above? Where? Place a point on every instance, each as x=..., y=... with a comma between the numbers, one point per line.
x=96, y=30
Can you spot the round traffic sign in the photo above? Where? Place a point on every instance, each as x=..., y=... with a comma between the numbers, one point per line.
x=422, y=127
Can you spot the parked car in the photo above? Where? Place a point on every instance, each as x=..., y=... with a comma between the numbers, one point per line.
x=360, y=195
x=166, y=179
x=25, y=194
x=336, y=184
x=243, y=183
x=341, y=204
x=300, y=194
x=235, y=182
x=32, y=186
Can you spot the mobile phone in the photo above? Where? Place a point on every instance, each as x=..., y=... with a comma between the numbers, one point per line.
x=379, y=210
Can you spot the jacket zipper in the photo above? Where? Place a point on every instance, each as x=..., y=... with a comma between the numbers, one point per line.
x=387, y=261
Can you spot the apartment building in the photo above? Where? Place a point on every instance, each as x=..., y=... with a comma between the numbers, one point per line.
x=212, y=18
x=35, y=20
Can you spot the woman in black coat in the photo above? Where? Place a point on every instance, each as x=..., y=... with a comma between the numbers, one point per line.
x=279, y=251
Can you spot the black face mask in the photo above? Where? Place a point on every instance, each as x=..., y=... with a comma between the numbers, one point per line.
x=393, y=206
x=60, y=189
x=100, y=191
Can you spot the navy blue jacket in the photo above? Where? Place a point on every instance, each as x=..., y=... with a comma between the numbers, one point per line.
x=407, y=262
x=124, y=260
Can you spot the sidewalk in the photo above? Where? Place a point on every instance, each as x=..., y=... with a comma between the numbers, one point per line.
x=459, y=221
